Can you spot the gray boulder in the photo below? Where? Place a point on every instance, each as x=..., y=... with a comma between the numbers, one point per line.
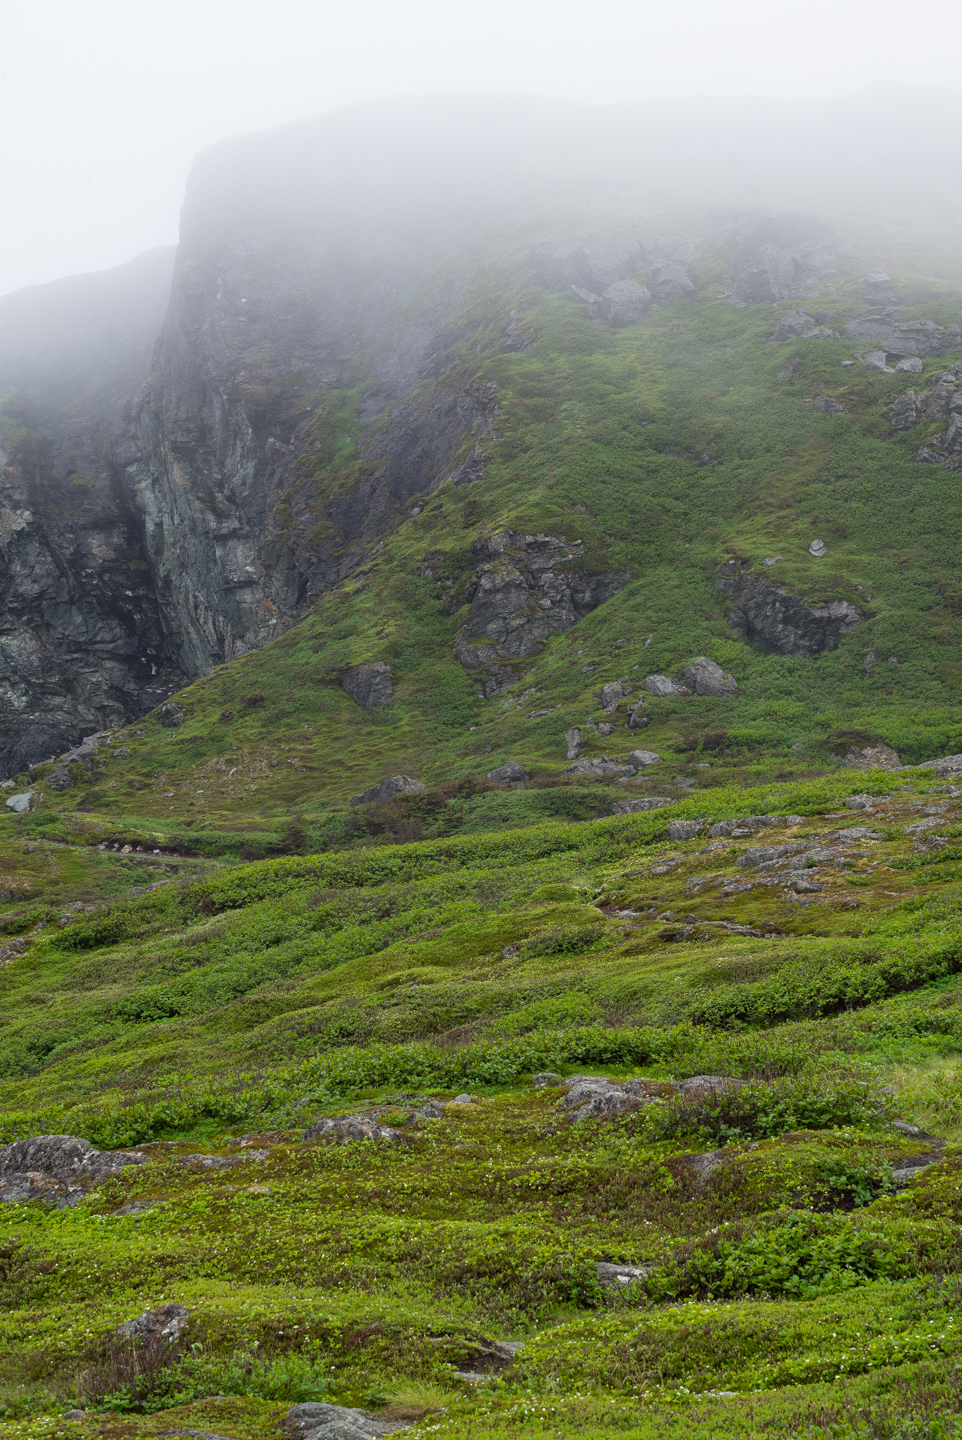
x=913, y=337
x=510, y=773
x=605, y=260
x=912, y=365
x=906, y=410
x=60, y=779
x=344, y=1128
x=795, y=326
x=663, y=685
x=641, y=759
x=369, y=685
x=625, y=303
x=704, y=677
x=160, y=1326
x=572, y=742
x=669, y=281
x=611, y=695
x=388, y=790
x=638, y=807
x=828, y=405
x=872, y=757
x=872, y=324
x=171, y=716
x=331, y=1422
x=20, y=804
x=602, y=766
x=685, y=829
x=878, y=360
x=58, y=1169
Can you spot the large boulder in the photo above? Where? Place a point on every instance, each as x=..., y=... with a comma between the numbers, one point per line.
x=369, y=685
x=782, y=257
x=388, y=790
x=641, y=759
x=602, y=766
x=669, y=281
x=872, y=757
x=344, y=1128
x=20, y=804
x=331, y=1422
x=624, y=303
x=58, y=1169
x=795, y=326
x=704, y=677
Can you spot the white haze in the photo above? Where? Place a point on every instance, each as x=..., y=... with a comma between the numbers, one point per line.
x=106, y=103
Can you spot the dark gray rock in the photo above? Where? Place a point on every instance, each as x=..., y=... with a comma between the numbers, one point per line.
x=528, y=589
x=388, y=790
x=572, y=742
x=171, y=716
x=345, y=1128
x=510, y=773
x=913, y=337
x=906, y=411
x=61, y=779
x=369, y=685
x=669, y=281
x=777, y=621
x=704, y=677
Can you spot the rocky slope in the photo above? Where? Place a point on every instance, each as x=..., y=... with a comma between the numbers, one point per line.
x=328, y=361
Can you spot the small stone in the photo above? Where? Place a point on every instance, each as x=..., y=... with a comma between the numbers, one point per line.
x=121, y=753
x=75, y=1415
x=817, y=548
x=462, y=1100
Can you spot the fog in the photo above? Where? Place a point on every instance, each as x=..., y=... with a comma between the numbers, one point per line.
x=106, y=105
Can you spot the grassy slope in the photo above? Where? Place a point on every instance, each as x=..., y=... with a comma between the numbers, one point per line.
x=249, y=998
x=594, y=430
x=263, y=994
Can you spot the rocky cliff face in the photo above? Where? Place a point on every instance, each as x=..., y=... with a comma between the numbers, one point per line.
x=82, y=644
x=786, y=624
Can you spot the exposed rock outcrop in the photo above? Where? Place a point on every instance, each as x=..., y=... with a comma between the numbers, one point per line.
x=782, y=257
x=593, y=263
x=58, y=1169
x=369, y=685
x=387, y=790
x=528, y=589
x=777, y=621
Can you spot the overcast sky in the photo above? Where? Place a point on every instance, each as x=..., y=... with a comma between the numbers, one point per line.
x=105, y=102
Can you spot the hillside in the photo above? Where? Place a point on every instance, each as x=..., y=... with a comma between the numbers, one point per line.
x=480, y=727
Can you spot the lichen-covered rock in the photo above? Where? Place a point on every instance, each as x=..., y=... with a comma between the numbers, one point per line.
x=388, y=790
x=344, y=1128
x=663, y=685
x=872, y=757
x=318, y=1421
x=171, y=716
x=638, y=807
x=641, y=759
x=775, y=620
x=58, y=1169
x=369, y=685
x=600, y=766
x=528, y=588
x=159, y=1326
x=685, y=829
